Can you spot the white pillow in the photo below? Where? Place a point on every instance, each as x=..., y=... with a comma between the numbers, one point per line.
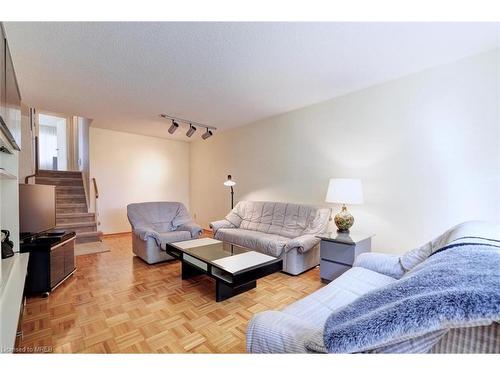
x=481, y=229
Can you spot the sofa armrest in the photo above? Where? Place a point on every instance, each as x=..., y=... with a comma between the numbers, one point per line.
x=386, y=264
x=278, y=332
x=302, y=243
x=144, y=233
x=192, y=228
x=216, y=225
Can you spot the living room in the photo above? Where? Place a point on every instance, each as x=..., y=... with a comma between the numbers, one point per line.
x=250, y=187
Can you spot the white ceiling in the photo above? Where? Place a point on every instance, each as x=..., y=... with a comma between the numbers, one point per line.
x=123, y=75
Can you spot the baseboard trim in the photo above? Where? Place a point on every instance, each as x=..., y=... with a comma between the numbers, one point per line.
x=106, y=235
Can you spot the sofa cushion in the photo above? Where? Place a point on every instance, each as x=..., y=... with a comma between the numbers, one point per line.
x=316, y=307
x=266, y=243
x=474, y=230
x=299, y=327
x=283, y=219
x=175, y=236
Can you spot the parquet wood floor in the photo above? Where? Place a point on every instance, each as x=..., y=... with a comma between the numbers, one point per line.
x=116, y=303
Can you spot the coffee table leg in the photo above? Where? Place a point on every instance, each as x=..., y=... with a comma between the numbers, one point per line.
x=224, y=291
x=189, y=271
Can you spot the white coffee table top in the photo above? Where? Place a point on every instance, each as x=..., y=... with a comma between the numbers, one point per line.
x=230, y=258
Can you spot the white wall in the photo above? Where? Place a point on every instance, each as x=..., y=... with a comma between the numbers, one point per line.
x=62, y=144
x=83, y=126
x=426, y=147
x=27, y=154
x=132, y=168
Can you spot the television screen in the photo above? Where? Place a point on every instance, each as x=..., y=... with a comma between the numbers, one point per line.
x=37, y=209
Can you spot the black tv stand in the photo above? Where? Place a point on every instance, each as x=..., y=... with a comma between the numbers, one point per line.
x=51, y=262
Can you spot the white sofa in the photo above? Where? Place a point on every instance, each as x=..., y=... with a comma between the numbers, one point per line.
x=298, y=328
x=284, y=230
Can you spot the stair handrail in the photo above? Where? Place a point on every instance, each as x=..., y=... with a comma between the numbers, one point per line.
x=96, y=191
x=96, y=206
x=27, y=178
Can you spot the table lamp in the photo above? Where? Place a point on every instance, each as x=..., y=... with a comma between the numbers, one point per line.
x=344, y=191
x=229, y=182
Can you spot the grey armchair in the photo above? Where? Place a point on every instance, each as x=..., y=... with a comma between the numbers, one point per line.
x=154, y=224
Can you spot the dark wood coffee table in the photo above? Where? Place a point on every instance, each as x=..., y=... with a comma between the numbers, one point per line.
x=234, y=268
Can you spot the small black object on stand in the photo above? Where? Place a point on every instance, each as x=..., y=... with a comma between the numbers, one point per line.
x=7, y=245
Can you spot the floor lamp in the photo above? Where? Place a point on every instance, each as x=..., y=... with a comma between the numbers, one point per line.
x=229, y=182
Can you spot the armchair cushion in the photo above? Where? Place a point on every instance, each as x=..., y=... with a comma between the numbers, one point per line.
x=385, y=264
x=175, y=236
x=194, y=229
x=147, y=232
x=303, y=243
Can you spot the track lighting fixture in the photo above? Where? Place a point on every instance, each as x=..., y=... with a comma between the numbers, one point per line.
x=191, y=130
x=207, y=134
x=173, y=127
x=177, y=121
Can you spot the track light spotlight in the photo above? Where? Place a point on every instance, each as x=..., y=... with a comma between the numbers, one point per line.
x=173, y=127
x=191, y=130
x=207, y=134
x=193, y=126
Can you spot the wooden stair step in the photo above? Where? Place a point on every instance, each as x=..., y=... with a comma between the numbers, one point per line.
x=89, y=236
x=70, y=209
x=80, y=214
x=74, y=220
x=72, y=192
x=48, y=173
x=71, y=205
x=59, y=181
x=79, y=227
x=75, y=217
x=58, y=178
x=69, y=198
x=76, y=225
x=70, y=189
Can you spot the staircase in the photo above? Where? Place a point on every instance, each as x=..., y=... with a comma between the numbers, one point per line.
x=71, y=204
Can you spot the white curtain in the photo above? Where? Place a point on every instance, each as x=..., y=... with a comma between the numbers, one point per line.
x=48, y=146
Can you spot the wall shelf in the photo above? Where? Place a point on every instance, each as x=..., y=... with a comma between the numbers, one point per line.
x=5, y=146
x=4, y=175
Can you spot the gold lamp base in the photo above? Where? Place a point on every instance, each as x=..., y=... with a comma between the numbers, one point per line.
x=344, y=220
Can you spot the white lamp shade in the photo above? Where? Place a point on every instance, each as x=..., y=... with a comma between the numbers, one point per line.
x=344, y=190
x=229, y=181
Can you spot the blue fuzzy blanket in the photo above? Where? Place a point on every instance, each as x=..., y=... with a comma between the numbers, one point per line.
x=459, y=285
